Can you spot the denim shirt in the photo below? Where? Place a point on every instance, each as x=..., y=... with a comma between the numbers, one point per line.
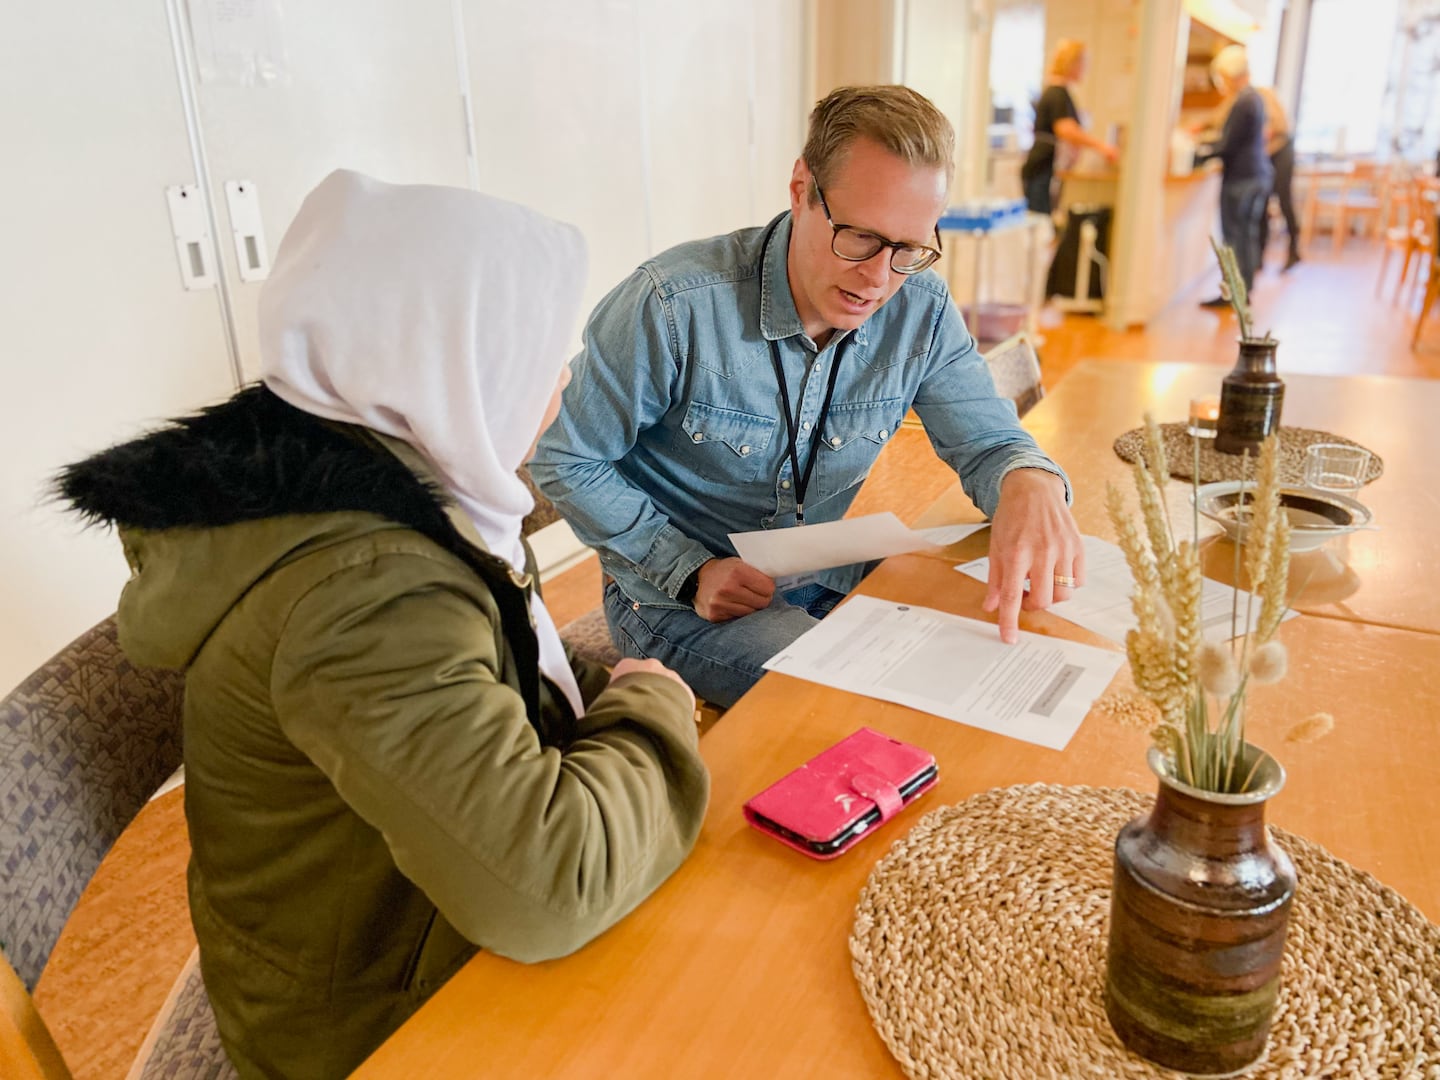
x=671, y=434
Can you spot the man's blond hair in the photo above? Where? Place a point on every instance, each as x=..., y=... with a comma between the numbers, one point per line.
x=905, y=123
x=1231, y=64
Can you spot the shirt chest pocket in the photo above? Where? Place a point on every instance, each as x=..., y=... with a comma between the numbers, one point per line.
x=724, y=445
x=854, y=435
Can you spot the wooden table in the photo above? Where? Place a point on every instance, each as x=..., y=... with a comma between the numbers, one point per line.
x=1388, y=577
x=738, y=965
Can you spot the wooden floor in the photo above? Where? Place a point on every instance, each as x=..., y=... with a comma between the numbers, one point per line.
x=1327, y=319
x=1324, y=311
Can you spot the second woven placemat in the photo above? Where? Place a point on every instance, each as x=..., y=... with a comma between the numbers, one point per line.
x=1180, y=454
x=979, y=947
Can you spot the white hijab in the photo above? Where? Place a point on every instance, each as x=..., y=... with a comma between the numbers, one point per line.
x=441, y=317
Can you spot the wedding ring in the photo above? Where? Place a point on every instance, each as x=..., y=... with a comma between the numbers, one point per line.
x=1065, y=581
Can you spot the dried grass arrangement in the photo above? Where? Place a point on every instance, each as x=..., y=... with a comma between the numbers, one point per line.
x=1232, y=287
x=1200, y=686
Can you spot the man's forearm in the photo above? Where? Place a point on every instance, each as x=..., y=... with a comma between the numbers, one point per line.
x=611, y=515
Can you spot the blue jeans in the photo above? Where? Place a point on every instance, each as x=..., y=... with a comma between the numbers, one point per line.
x=720, y=661
x=1242, y=202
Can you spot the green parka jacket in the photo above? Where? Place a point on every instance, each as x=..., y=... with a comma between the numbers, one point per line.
x=377, y=779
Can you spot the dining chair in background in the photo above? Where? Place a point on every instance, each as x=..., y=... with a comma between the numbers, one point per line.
x=85, y=741
x=1015, y=367
x=1430, y=217
x=1404, y=231
x=1344, y=195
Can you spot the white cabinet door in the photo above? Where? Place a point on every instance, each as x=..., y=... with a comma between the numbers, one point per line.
x=559, y=122
x=372, y=85
x=699, y=71
x=100, y=339
x=781, y=105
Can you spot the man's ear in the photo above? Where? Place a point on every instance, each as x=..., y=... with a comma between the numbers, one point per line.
x=799, y=185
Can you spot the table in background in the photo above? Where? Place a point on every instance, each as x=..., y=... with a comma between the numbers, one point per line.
x=738, y=965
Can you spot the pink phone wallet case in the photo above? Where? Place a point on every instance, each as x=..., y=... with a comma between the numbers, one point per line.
x=841, y=795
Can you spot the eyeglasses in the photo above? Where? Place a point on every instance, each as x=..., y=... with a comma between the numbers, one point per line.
x=857, y=245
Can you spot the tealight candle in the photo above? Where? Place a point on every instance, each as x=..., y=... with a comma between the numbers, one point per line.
x=1204, y=416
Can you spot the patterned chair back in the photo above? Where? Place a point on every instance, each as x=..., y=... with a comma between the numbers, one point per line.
x=1016, y=370
x=84, y=742
x=544, y=512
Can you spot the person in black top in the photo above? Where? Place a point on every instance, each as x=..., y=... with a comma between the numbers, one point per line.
x=1280, y=145
x=1248, y=176
x=1057, y=121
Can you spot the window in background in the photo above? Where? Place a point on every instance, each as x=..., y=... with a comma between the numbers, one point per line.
x=1410, y=126
x=1347, y=64
x=1017, y=69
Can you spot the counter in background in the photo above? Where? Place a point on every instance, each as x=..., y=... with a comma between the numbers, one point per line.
x=1177, y=253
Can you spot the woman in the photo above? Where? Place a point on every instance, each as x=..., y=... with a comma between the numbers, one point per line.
x=1058, y=121
x=390, y=759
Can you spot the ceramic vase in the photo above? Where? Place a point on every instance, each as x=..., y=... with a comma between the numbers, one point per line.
x=1251, y=397
x=1198, y=915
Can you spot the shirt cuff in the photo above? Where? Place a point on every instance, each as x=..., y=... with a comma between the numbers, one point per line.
x=1044, y=464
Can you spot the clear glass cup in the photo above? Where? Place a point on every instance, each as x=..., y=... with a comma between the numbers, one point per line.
x=1204, y=417
x=1336, y=466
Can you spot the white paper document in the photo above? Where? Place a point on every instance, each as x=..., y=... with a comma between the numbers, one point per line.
x=1038, y=689
x=1103, y=603
x=783, y=552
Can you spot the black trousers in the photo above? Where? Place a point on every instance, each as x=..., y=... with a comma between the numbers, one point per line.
x=1284, y=162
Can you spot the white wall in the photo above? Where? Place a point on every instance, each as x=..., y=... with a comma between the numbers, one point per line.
x=1110, y=30
x=98, y=337
x=376, y=90
x=643, y=122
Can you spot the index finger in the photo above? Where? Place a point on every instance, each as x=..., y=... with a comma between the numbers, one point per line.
x=1009, y=591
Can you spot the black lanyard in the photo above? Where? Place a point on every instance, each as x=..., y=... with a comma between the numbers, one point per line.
x=802, y=480
x=792, y=422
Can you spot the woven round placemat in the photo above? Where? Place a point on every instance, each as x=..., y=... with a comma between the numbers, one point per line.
x=1180, y=454
x=979, y=946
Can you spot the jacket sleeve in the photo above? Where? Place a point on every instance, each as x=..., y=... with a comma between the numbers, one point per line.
x=385, y=675
x=973, y=429
x=591, y=677
x=624, y=381
x=1237, y=136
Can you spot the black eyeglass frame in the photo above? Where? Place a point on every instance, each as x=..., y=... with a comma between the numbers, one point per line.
x=896, y=246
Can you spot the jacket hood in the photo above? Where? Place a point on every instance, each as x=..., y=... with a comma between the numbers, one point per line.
x=208, y=505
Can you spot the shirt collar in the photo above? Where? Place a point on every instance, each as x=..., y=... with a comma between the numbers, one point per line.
x=778, y=317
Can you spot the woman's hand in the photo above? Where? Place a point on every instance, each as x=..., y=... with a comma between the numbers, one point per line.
x=630, y=666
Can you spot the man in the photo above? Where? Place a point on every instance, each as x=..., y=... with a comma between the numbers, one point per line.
x=1280, y=148
x=1247, y=176
x=749, y=382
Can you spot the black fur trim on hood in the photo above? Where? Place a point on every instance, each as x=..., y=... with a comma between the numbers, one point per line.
x=254, y=457
x=248, y=458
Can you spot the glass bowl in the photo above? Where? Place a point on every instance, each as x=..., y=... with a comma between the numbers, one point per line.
x=1316, y=517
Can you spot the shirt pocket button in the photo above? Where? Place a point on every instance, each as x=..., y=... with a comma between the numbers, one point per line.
x=744, y=451
x=699, y=436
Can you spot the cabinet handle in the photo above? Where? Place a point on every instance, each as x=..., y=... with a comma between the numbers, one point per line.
x=194, y=248
x=250, y=254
